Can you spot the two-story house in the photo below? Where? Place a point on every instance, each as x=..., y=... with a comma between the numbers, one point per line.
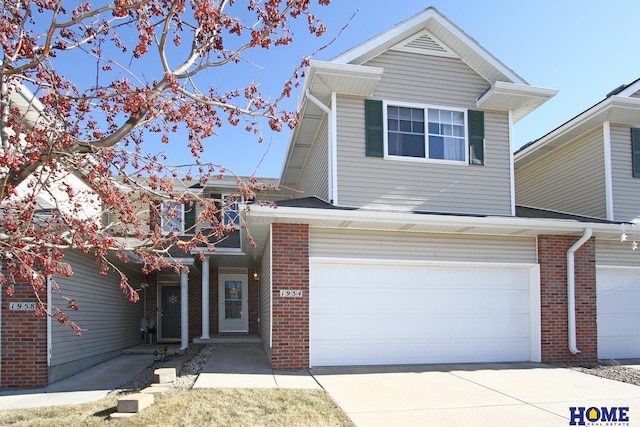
x=402, y=242
x=590, y=166
x=408, y=246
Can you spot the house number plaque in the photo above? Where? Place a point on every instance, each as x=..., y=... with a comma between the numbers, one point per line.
x=22, y=306
x=291, y=293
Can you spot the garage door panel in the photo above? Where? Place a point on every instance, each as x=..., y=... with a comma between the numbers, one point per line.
x=388, y=314
x=437, y=351
x=328, y=298
x=618, y=302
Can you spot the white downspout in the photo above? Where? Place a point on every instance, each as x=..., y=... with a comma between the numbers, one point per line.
x=571, y=289
x=330, y=153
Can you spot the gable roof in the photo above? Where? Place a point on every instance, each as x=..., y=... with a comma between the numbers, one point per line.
x=428, y=32
x=444, y=32
x=619, y=106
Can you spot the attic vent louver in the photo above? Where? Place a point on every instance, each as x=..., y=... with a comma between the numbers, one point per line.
x=424, y=43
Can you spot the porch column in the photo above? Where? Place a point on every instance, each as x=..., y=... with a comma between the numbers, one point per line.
x=205, y=298
x=184, y=309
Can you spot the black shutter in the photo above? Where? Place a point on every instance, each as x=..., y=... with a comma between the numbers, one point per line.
x=635, y=151
x=190, y=217
x=476, y=137
x=218, y=202
x=155, y=215
x=374, y=136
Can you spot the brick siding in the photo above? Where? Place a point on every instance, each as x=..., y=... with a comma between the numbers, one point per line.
x=290, y=270
x=24, y=343
x=552, y=257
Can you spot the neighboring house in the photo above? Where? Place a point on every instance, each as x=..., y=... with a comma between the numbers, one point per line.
x=36, y=351
x=590, y=166
x=402, y=242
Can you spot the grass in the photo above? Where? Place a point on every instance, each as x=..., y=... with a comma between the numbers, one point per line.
x=198, y=407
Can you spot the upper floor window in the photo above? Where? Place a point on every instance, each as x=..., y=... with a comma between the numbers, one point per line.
x=231, y=210
x=172, y=217
x=424, y=132
x=445, y=136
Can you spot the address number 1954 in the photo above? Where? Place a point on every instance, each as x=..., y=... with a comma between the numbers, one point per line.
x=291, y=293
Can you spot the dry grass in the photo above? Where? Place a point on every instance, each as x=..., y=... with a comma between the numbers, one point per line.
x=199, y=407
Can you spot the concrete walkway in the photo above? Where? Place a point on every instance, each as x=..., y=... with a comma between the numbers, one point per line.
x=247, y=366
x=87, y=386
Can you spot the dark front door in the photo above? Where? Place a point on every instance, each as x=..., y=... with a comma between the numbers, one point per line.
x=170, y=312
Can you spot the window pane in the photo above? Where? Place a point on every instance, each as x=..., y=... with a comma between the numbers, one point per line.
x=436, y=147
x=453, y=149
x=405, y=126
x=405, y=136
x=446, y=135
x=405, y=113
x=172, y=215
x=232, y=210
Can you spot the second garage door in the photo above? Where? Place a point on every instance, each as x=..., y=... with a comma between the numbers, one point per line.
x=618, y=296
x=404, y=313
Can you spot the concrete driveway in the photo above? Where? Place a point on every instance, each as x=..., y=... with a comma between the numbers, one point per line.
x=510, y=394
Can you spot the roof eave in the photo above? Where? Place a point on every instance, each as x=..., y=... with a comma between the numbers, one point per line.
x=615, y=109
x=518, y=98
x=435, y=223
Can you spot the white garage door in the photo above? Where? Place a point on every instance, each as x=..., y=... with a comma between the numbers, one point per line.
x=405, y=313
x=618, y=293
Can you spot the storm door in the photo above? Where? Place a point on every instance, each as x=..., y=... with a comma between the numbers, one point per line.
x=232, y=300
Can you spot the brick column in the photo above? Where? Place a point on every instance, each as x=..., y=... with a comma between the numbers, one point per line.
x=290, y=271
x=24, y=343
x=552, y=257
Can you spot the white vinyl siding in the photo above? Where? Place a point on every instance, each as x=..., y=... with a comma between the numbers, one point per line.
x=109, y=321
x=341, y=243
x=570, y=179
x=401, y=185
x=626, y=188
x=615, y=252
x=314, y=176
x=265, y=298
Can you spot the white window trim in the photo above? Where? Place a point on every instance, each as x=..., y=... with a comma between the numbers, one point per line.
x=239, y=202
x=181, y=218
x=425, y=108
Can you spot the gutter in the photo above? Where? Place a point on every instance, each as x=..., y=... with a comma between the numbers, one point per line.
x=571, y=289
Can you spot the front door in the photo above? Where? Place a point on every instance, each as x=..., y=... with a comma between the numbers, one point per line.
x=232, y=301
x=169, y=312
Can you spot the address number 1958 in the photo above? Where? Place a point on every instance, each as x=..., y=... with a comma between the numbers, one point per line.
x=22, y=306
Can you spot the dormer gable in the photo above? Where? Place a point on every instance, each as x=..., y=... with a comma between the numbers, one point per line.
x=425, y=43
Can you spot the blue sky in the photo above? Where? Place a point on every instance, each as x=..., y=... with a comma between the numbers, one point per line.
x=583, y=48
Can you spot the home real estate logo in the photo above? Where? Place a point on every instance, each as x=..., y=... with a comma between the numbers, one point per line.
x=602, y=416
